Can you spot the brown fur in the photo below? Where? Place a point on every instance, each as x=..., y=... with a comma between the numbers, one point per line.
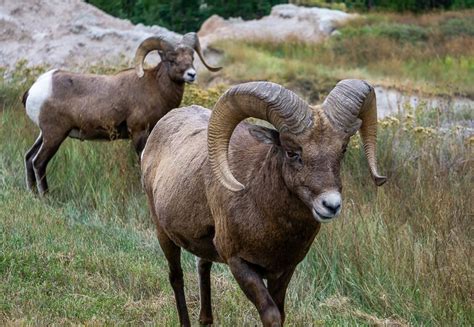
x=106, y=107
x=116, y=100
x=263, y=231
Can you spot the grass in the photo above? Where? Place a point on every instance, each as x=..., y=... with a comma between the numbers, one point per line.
x=432, y=53
x=87, y=254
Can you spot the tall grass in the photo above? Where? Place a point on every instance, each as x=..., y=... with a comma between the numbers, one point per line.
x=87, y=254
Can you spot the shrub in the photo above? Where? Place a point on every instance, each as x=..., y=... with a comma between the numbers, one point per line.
x=456, y=27
x=193, y=94
x=400, y=32
x=321, y=3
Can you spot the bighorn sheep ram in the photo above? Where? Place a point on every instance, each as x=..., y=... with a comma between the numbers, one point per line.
x=100, y=107
x=291, y=175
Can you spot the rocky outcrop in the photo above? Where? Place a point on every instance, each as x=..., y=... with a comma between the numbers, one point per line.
x=284, y=22
x=72, y=34
x=66, y=34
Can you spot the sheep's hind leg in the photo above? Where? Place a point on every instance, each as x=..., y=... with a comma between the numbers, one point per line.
x=30, y=173
x=254, y=288
x=173, y=255
x=48, y=149
x=204, y=269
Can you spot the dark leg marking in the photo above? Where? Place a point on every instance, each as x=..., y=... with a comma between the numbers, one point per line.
x=30, y=173
x=204, y=269
x=48, y=149
x=173, y=255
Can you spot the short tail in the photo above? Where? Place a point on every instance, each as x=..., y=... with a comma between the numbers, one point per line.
x=25, y=96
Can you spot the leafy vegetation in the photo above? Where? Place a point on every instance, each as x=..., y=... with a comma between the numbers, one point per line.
x=389, y=5
x=183, y=16
x=188, y=15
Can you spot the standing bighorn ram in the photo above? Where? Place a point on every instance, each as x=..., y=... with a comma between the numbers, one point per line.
x=101, y=107
x=291, y=175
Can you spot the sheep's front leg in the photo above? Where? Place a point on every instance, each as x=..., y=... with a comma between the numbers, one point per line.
x=204, y=269
x=254, y=288
x=277, y=288
x=139, y=138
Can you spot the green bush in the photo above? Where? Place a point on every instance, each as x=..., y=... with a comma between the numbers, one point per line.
x=407, y=5
x=399, y=32
x=321, y=3
x=462, y=4
x=402, y=32
x=456, y=27
x=183, y=15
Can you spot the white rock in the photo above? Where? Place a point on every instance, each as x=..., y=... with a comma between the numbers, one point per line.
x=285, y=22
x=66, y=34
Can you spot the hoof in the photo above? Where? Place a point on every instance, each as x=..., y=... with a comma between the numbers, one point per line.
x=205, y=321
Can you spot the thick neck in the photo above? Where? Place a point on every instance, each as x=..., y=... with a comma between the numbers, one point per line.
x=266, y=185
x=171, y=91
x=286, y=227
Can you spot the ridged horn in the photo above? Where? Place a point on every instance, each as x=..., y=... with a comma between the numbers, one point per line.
x=349, y=104
x=159, y=43
x=264, y=100
x=192, y=41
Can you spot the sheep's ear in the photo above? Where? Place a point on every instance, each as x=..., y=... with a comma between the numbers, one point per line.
x=265, y=135
x=167, y=55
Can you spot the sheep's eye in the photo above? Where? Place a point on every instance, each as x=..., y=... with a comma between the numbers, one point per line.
x=292, y=155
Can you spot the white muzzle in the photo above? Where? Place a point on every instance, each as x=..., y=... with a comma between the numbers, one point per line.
x=327, y=206
x=190, y=75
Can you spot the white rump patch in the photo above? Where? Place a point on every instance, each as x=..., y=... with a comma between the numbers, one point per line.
x=39, y=92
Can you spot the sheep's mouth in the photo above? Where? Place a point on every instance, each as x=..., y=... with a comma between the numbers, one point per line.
x=321, y=218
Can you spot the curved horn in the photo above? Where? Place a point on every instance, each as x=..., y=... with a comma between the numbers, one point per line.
x=264, y=100
x=159, y=43
x=192, y=41
x=352, y=103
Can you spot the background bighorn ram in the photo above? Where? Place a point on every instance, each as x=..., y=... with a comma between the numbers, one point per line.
x=291, y=175
x=99, y=107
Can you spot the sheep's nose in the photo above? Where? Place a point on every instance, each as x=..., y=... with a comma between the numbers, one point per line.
x=332, y=206
x=326, y=206
x=191, y=74
x=331, y=201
